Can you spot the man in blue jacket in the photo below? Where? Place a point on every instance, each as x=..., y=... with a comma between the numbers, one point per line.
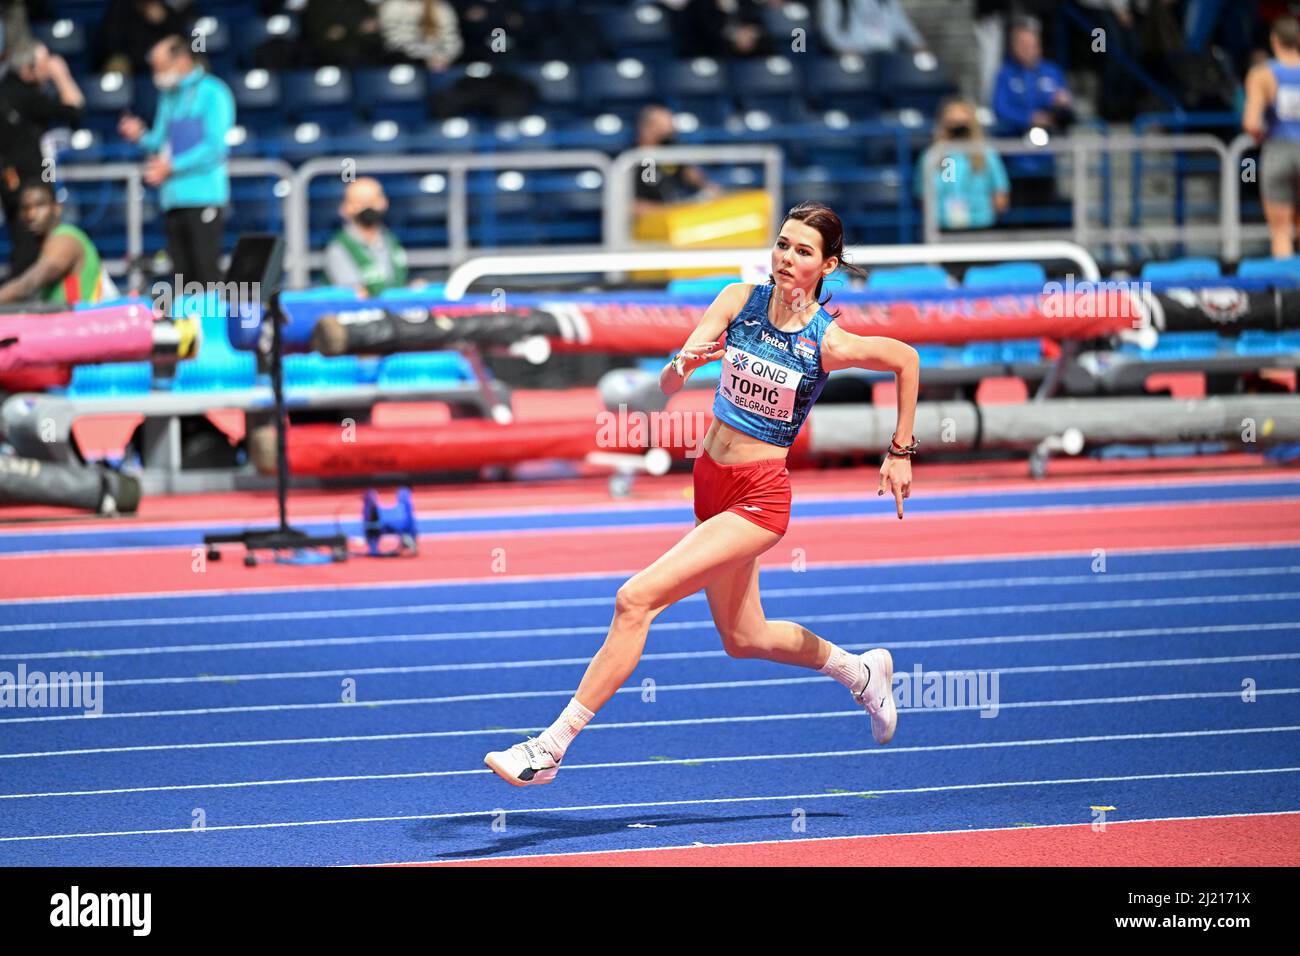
x=187, y=157
x=1029, y=92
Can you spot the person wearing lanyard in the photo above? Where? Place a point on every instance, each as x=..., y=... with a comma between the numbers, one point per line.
x=187, y=158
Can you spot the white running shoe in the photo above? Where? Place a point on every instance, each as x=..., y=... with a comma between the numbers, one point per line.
x=525, y=764
x=878, y=696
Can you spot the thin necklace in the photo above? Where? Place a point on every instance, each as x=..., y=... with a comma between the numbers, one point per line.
x=793, y=310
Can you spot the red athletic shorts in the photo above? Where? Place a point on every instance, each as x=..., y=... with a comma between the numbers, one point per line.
x=757, y=490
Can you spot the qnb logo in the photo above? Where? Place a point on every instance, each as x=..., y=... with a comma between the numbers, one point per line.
x=76, y=909
x=740, y=360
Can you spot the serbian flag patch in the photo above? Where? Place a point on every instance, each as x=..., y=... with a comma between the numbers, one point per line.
x=805, y=343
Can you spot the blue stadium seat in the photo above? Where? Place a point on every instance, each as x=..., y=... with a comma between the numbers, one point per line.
x=845, y=83
x=216, y=371
x=256, y=30
x=1277, y=269
x=319, y=371
x=981, y=353
x=782, y=20
x=423, y=369
x=912, y=80
x=637, y=29
x=626, y=81
x=698, y=86
x=770, y=83
x=1005, y=274
x=556, y=82
x=114, y=378
x=459, y=134
x=1176, y=269
x=1177, y=345
x=1256, y=342
x=107, y=96
x=397, y=93
x=258, y=103
x=909, y=278
x=811, y=183
x=68, y=39
x=606, y=131
x=322, y=96
x=1022, y=350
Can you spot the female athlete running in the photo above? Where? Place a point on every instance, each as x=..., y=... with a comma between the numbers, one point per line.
x=780, y=345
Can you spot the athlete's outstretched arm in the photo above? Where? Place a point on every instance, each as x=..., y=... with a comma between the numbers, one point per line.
x=842, y=349
x=704, y=344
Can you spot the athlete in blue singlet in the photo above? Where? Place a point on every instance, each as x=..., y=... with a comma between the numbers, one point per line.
x=780, y=345
x=1272, y=115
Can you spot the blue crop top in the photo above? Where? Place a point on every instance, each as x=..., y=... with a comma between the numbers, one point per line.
x=770, y=379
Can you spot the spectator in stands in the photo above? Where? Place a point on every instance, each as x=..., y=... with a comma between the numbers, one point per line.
x=971, y=189
x=659, y=183
x=1031, y=93
x=1272, y=116
x=341, y=33
x=867, y=26
x=187, y=158
x=27, y=111
x=1118, y=99
x=991, y=17
x=364, y=254
x=67, y=271
x=421, y=31
x=131, y=28
x=721, y=28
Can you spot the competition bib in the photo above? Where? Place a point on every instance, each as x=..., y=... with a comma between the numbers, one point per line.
x=759, y=385
x=1287, y=104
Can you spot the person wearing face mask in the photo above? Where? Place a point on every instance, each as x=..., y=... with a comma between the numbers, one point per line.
x=187, y=158
x=664, y=182
x=971, y=188
x=365, y=255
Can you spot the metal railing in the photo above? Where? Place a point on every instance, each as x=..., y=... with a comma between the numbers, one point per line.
x=1082, y=149
x=299, y=256
x=465, y=275
x=131, y=174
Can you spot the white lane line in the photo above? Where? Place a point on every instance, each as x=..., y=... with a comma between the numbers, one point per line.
x=856, y=714
x=579, y=509
x=658, y=656
x=945, y=612
x=714, y=801
x=869, y=513
x=825, y=754
x=561, y=577
x=850, y=836
x=606, y=600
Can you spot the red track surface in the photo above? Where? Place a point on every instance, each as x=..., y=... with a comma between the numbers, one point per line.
x=1263, y=840
x=875, y=536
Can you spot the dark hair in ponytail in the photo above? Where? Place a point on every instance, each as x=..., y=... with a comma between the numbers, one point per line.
x=822, y=217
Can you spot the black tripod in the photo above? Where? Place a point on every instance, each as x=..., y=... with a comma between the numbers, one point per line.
x=261, y=255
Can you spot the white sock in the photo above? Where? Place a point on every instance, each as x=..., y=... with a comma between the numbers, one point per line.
x=847, y=668
x=557, y=737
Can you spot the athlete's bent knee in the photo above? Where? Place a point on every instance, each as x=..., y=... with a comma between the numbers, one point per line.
x=633, y=601
x=743, y=644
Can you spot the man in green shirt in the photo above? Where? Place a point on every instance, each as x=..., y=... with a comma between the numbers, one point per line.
x=364, y=255
x=68, y=270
